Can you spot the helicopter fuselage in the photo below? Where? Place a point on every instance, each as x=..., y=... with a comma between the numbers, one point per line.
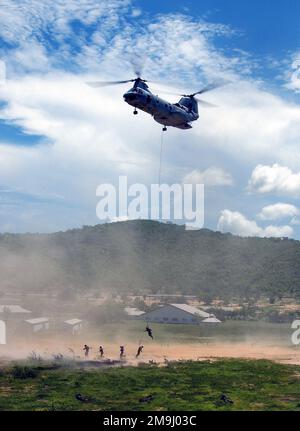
x=178, y=115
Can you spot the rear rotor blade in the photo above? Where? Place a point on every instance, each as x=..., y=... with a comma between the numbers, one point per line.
x=208, y=87
x=204, y=90
x=96, y=84
x=138, y=71
x=206, y=104
x=137, y=62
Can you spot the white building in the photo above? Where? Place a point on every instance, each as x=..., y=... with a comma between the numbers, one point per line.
x=38, y=324
x=11, y=318
x=13, y=310
x=73, y=325
x=179, y=314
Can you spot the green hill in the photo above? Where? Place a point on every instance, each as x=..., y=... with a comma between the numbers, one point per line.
x=147, y=256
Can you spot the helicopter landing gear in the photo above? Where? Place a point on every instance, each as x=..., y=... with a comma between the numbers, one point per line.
x=164, y=129
x=135, y=111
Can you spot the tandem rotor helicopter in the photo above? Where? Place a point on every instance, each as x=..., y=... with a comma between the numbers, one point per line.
x=178, y=115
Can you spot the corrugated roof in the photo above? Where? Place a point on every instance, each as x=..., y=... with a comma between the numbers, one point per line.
x=73, y=321
x=133, y=311
x=37, y=320
x=13, y=309
x=190, y=309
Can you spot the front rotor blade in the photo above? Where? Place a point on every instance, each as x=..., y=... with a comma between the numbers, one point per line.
x=96, y=84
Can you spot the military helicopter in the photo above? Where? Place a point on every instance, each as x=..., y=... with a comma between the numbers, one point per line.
x=178, y=115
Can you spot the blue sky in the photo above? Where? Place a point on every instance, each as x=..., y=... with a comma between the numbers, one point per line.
x=268, y=27
x=59, y=138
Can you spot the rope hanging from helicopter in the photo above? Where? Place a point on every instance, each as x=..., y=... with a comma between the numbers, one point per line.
x=160, y=156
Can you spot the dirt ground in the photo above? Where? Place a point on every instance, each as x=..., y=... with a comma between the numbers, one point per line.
x=153, y=351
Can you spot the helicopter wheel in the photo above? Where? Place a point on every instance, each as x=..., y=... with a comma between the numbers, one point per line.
x=135, y=112
x=164, y=129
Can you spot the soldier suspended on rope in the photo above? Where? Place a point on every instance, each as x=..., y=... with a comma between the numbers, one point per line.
x=149, y=331
x=101, y=351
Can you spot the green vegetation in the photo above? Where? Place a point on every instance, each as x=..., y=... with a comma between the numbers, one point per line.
x=147, y=256
x=23, y=372
x=255, y=313
x=251, y=385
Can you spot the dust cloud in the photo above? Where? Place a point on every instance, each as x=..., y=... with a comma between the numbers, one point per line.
x=153, y=351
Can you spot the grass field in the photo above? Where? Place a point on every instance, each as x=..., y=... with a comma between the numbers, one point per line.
x=251, y=385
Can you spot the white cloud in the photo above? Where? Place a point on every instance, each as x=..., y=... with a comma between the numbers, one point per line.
x=210, y=177
x=49, y=28
x=84, y=147
x=136, y=12
x=251, y=125
x=2, y=72
x=275, y=179
x=278, y=231
x=295, y=221
x=278, y=211
x=293, y=74
x=238, y=224
x=30, y=19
